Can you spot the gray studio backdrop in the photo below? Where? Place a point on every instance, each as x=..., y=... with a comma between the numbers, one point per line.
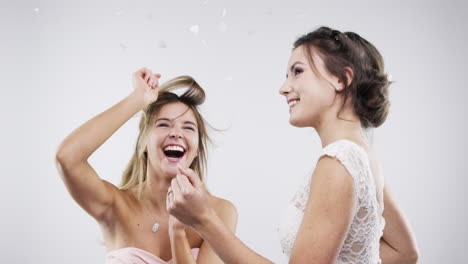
x=62, y=62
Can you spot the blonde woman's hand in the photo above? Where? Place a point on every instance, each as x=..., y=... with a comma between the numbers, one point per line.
x=188, y=200
x=175, y=225
x=145, y=85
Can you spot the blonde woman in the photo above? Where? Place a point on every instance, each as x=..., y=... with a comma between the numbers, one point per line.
x=336, y=84
x=135, y=223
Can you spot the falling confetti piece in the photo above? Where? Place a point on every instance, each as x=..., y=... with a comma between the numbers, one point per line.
x=389, y=77
x=36, y=9
x=162, y=44
x=251, y=32
x=222, y=27
x=124, y=48
x=205, y=3
x=229, y=78
x=149, y=16
x=118, y=13
x=204, y=43
x=195, y=29
x=224, y=12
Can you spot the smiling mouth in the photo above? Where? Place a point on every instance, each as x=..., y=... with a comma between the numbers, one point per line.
x=293, y=102
x=174, y=151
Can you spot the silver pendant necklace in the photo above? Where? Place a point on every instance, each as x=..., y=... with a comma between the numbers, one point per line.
x=155, y=227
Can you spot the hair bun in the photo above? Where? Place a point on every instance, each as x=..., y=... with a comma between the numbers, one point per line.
x=371, y=102
x=194, y=95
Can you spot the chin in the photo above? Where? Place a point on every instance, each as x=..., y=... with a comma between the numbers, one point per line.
x=170, y=170
x=297, y=122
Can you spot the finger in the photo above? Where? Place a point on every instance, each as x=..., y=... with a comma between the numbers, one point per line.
x=157, y=75
x=191, y=175
x=156, y=81
x=184, y=183
x=151, y=81
x=175, y=190
x=169, y=202
x=148, y=74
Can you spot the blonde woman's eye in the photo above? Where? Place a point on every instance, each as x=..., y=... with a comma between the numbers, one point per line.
x=163, y=125
x=298, y=71
x=190, y=128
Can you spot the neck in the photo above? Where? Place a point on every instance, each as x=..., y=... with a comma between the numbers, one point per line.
x=344, y=126
x=155, y=191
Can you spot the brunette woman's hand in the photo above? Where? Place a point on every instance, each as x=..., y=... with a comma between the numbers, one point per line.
x=188, y=199
x=145, y=85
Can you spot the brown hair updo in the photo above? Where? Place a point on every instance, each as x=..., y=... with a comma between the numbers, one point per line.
x=368, y=89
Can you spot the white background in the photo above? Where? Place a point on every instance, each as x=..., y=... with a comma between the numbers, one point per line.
x=62, y=63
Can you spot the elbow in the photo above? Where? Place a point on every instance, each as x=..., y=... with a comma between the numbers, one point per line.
x=412, y=256
x=61, y=157
x=64, y=159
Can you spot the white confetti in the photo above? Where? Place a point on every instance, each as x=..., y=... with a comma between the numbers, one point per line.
x=229, y=78
x=118, y=13
x=162, y=44
x=222, y=27
x=224, y=12
x=195, y=29
x=390, y=77
x=204, y=43
x=205, y=3
x=149, y=15
x=36, y=9
x=124, y=48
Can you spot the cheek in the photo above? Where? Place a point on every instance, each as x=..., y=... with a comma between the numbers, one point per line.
x=192, y=140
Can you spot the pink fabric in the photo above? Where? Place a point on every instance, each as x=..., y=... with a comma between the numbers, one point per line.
x=131, y=255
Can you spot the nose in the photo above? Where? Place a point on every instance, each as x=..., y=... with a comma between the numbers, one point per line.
x=175, y=133
x=285, y=89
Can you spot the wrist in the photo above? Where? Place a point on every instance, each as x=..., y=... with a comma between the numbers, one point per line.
x=177, y=232
x=206, y=221
x=137, y=98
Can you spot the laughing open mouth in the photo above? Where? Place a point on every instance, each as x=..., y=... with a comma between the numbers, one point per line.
x=174, y=151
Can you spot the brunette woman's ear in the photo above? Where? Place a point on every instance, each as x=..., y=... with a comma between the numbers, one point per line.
x=340, y=85
x=349, y=76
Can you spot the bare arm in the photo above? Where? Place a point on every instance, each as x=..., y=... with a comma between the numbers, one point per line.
x=328, y=214
x=181, y=251
x=227, y=213
x=398, y=244
x=94, y=195
x=180, y=248
x=192, y=206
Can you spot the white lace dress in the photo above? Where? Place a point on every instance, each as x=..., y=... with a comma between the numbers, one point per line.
x=363, y=240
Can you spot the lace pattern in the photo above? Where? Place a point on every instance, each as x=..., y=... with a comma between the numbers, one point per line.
x=363, y=240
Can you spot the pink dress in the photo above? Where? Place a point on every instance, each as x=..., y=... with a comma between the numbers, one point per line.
x=131, y=255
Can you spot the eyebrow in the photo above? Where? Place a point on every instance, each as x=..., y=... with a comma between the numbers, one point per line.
x=169, y=120
x=292, y=67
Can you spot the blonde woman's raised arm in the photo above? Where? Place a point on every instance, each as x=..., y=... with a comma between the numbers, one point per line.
x=94, y=195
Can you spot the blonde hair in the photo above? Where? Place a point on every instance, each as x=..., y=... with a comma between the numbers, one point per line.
x=135, y=173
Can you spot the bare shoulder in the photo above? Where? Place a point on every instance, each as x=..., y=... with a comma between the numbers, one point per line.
x=223, y=206
x=226, y=210
x=330, y=169
x=124, y=201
